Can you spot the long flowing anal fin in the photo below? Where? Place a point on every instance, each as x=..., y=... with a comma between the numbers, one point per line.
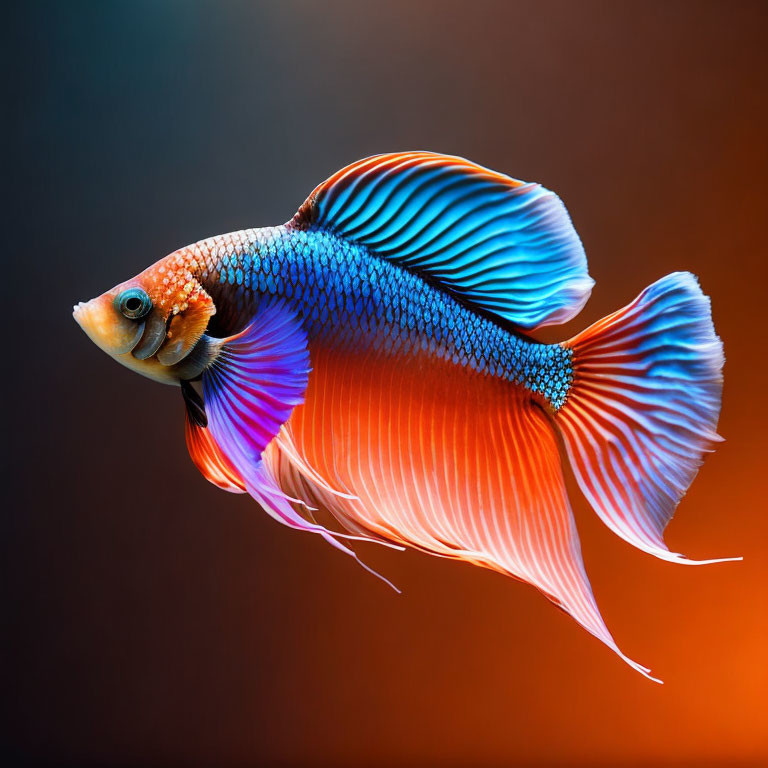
x=506, y=246
x=643, y=409
x=445, y=460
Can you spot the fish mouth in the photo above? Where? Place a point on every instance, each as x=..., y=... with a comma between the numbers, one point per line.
x=77, y=310
x=81, y=314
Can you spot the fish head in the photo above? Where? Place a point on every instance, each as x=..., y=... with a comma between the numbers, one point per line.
x=152, y=322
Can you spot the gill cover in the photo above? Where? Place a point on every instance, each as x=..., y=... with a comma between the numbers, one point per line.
x=175, y=325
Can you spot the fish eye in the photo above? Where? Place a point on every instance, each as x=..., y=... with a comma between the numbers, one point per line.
x=134, y=303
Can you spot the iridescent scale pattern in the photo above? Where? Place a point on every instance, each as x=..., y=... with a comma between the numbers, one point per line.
x=349, y=296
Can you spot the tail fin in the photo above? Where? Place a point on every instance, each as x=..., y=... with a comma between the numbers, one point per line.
x=643, y=408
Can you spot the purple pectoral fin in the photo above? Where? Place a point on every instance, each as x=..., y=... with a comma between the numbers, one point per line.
x=249, y=391
x=258, y=378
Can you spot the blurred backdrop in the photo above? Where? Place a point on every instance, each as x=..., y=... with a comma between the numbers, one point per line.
x=155, y=620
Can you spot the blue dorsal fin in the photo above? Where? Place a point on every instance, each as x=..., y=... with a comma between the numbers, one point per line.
x=506, y=246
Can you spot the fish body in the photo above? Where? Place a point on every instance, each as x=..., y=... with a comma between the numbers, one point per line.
x=369, y=361
x=348, y=298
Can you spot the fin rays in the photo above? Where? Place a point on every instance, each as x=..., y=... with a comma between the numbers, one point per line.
x=504, y=245
x=450, y=462
x=643, y=409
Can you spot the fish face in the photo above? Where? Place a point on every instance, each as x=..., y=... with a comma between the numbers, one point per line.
x=119, y=334
x=151, y=323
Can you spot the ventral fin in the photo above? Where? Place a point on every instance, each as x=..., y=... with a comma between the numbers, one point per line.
x=506, y=246
x=208, y=458
x=203, y=449
x=194, y=404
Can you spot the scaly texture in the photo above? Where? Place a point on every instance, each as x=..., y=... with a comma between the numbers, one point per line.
x=366, y=360
x=350, y=297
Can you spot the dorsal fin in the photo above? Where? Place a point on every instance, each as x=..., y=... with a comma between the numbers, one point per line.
x=506, y=246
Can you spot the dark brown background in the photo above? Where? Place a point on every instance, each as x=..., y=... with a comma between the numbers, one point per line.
x=154, y=620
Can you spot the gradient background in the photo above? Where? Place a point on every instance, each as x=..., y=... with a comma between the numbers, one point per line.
x=154, y=620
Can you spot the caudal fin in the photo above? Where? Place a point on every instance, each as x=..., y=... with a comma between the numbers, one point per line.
x=643, y=408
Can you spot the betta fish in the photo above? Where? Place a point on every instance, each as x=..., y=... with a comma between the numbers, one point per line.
x=365, y=372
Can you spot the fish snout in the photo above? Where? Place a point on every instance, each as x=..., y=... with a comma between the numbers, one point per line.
x=106, y=327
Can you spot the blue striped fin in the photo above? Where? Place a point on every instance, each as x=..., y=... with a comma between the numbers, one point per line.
x=506, y=246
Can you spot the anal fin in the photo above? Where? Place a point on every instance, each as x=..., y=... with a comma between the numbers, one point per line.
x=448, y=461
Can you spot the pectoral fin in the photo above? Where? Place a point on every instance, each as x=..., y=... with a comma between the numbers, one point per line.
x=258, y=377
x=250, y=390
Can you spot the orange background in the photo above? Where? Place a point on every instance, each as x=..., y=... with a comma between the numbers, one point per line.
x=155, y=620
